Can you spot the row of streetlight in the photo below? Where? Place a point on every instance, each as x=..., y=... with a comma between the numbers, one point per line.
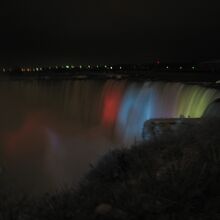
x=69, y=67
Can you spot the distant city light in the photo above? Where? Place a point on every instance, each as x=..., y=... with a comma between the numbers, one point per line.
x=180, y=67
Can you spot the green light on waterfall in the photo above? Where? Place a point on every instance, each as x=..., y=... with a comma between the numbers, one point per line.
x=194, y=100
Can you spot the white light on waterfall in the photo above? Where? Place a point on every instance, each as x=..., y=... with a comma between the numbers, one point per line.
x=67, y=67
x=111, y=67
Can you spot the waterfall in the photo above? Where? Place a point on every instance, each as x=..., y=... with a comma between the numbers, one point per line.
x=56, y=128
x=160, y=100
x=118, y=107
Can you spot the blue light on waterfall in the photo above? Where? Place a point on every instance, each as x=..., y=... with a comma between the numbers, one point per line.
x=159, y=100
x=137, y=106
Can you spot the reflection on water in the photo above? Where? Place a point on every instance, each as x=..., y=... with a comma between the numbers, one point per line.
x=51, y=131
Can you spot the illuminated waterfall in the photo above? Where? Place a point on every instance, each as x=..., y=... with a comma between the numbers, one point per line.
x=160, y=100
x=118, y=107
x=123, y=107
x=59, y=127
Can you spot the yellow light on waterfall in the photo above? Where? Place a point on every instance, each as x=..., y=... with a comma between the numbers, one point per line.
x=194, y=100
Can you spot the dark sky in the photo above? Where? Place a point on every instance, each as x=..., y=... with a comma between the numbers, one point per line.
x=111, y=31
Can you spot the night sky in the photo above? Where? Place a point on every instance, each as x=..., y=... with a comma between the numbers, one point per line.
x=108, y=31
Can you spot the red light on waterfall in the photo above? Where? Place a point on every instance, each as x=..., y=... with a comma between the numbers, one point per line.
x=30, y=133
x=111, y=107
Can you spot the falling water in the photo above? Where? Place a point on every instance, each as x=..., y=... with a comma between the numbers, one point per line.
x=64, y=126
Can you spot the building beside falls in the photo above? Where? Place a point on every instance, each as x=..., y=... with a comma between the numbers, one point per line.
x=154, y=128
